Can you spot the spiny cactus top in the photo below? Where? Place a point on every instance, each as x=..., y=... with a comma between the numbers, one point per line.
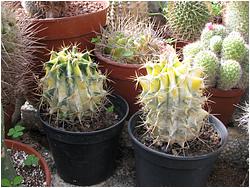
x=185, y=19
x=172, y=100
x=72, y=86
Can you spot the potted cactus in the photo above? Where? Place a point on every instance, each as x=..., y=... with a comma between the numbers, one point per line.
x=167, y=133
x=121, y=51
x=82, y=121
x=224, y=58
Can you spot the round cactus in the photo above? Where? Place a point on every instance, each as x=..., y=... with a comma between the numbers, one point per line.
x=236, y=17
x=190, y=50
x=229, y=74
x=210, y=65
x=185, y=19
x=211, y=30
x=233, y=47
x=215, y=44
x=172, y=100
x=72, y=86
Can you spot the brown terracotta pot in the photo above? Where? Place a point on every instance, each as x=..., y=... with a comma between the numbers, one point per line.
x=122, y=79
x=11, y=144
x=222, y=103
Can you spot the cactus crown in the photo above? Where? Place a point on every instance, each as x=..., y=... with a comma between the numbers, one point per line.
x=72, y=86
x=130, y=40
x=172, y=100
x=185, y=19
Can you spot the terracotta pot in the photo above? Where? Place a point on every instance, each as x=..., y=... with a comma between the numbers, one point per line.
x=11, y=144
x=222, y=103
x=122, y=79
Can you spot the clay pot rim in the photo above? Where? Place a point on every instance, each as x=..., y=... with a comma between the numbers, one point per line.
x=48, y=20
x=24, y=147
x=225, y=93
x=99, y=55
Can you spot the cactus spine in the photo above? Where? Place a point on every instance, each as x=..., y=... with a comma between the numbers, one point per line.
x=72, y=86
x=172, y=100
x=186, y=19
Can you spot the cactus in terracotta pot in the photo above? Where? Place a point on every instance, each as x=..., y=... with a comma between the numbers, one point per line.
x=172, y=100
x=72, y=86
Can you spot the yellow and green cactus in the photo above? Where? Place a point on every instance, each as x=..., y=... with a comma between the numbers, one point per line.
x=172, y=100
x=72, y=85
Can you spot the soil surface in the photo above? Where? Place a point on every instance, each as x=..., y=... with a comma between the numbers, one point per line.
x=100, y=120
x=208, y=141
x=33, y=176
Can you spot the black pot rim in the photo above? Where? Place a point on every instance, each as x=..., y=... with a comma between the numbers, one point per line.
x=91, y=132
x=161, y=154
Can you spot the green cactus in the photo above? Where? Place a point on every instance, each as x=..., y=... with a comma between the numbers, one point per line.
x=229, y=74
x=215, y=44
x=211, y=30
x=210, y=65
x=233, y=47
x=236, y=17
x=172, y=100
x=72, y=86
x=190, y=50
x=186, y=19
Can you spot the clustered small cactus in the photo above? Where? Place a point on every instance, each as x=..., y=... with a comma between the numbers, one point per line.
x=130, y=41
x=223, y=57
x=172, y=100
x=185, y=19
x=72, y=86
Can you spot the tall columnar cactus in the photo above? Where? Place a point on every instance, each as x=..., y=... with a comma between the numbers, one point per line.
x=229, y=74
x=236, y=17
x=172, y=100
x=210, y=64
x=72, y=86
x=233, y=47
x=186, y=19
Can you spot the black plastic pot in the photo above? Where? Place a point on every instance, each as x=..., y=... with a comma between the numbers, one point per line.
x=87, y=158
x=155, y=168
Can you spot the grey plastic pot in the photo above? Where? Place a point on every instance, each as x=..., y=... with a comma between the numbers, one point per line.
x=154, y=168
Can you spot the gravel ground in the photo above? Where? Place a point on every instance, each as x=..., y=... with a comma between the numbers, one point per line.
x=231, y=168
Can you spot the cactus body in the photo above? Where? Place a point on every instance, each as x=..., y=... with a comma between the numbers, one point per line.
x=172, y=100
x=72, y=86
x=186, y=19
x=236, y=17
x=215, y=44
x=244, y=80
x=233, y=47
x=229, y=74
x=190, y=50
x=210, y=65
